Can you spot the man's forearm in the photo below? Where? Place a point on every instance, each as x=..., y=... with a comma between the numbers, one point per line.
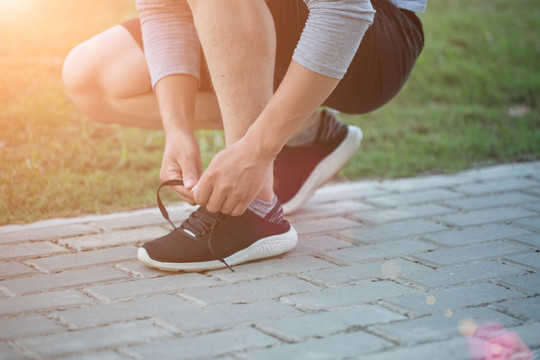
x=176, y=98
x=300, y=93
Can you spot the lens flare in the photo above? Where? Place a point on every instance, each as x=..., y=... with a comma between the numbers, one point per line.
x=491, y=341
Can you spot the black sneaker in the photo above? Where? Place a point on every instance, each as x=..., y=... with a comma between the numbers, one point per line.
x=300, y=170
x=208, y=241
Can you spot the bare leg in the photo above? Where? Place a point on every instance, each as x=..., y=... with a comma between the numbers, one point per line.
x=239, y=42
x=107, y=78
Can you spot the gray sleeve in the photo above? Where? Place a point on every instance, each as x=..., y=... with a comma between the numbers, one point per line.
x=332, y=35
x=171, y=44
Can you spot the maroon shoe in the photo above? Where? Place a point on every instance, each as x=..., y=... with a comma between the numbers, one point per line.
x=300, y=170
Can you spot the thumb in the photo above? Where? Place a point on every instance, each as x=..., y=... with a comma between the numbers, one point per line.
x=190, y=175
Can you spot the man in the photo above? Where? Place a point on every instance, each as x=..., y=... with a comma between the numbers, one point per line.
x=271, y=65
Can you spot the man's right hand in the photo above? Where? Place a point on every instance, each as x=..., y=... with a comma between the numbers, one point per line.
x=182, y=160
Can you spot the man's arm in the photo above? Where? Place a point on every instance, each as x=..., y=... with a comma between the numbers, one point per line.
x=172, y=51
x=311, y=78
x=171, y=44
x=329, y=42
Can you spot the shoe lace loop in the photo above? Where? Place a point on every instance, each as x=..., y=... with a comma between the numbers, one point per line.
x=200, y=222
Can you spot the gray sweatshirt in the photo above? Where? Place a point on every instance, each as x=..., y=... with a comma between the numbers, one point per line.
x=328, y=43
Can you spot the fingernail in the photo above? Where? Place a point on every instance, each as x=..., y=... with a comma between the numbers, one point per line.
x=189, y=183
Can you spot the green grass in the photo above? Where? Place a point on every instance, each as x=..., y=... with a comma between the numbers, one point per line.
x=480, y=61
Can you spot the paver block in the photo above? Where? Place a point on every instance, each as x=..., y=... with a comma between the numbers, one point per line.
x=533, y=223
x=441, y=326
x=100, y=355
x=43, y=301
x=131, y=236
x=534, y=206
x=140, y=270
x=479, y=217
x=477, y=234
x=46, y=233
x=272, y=267
x=226, y=315
x=530, y=259
x=497, y=200
x=499, y=185
x=529, y=334
x=532, y=239
x=347, y=191
x=323, y=324
x=384, y=250
x=438, y=301
x=350, y=345
x=9, y=353
x=528, y=308
x=324, y=210
x=27, y=325
x=86, y=258
x=514, y=342
x=324, y=226
x=29, y=249
x=474, y=252
x=454, y=349
x=502, y=171
x=137, y=221
x=347, y=295
x=533, y=191
x=358, y=272
x=204, y=346
x=70, y=278
x=121, y=311
x=410, y=198
x=529, y=282
x=247, y=291
x=166, y=284
x=12, y=268
x=373, y=234
x=453, y=275
x=424, y=182
x=402, y=213
x=65, y=343
x=317, y=244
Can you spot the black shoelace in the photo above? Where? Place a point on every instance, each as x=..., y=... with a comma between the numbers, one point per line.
x=200, y=223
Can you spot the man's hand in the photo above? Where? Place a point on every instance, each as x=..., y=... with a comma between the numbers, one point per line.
x=232, y=180
x=182, y=160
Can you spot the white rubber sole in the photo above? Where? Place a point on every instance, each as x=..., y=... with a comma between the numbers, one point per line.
x=263, y=248
x=326, y=169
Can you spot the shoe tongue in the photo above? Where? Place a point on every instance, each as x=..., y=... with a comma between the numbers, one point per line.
x=199, y=222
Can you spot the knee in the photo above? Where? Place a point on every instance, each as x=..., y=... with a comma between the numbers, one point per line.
x=79, y=71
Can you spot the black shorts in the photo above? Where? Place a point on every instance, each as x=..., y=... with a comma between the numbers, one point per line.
x=377, y=72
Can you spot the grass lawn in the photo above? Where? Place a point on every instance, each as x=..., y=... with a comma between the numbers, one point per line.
x=471, y=100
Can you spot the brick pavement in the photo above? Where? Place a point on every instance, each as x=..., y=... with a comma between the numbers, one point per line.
x=435, y=267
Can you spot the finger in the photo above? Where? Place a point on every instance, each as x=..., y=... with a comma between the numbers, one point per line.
x=215, y=201
x=190, y=173
x=201, y=192
x=170, y=173
x=185, y=194
x=239, y=209
x=228, y=205
x=243, y=202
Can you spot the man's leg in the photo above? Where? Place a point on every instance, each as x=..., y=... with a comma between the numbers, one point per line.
x=238, y=39
x=239, y=44
x=107, y=78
